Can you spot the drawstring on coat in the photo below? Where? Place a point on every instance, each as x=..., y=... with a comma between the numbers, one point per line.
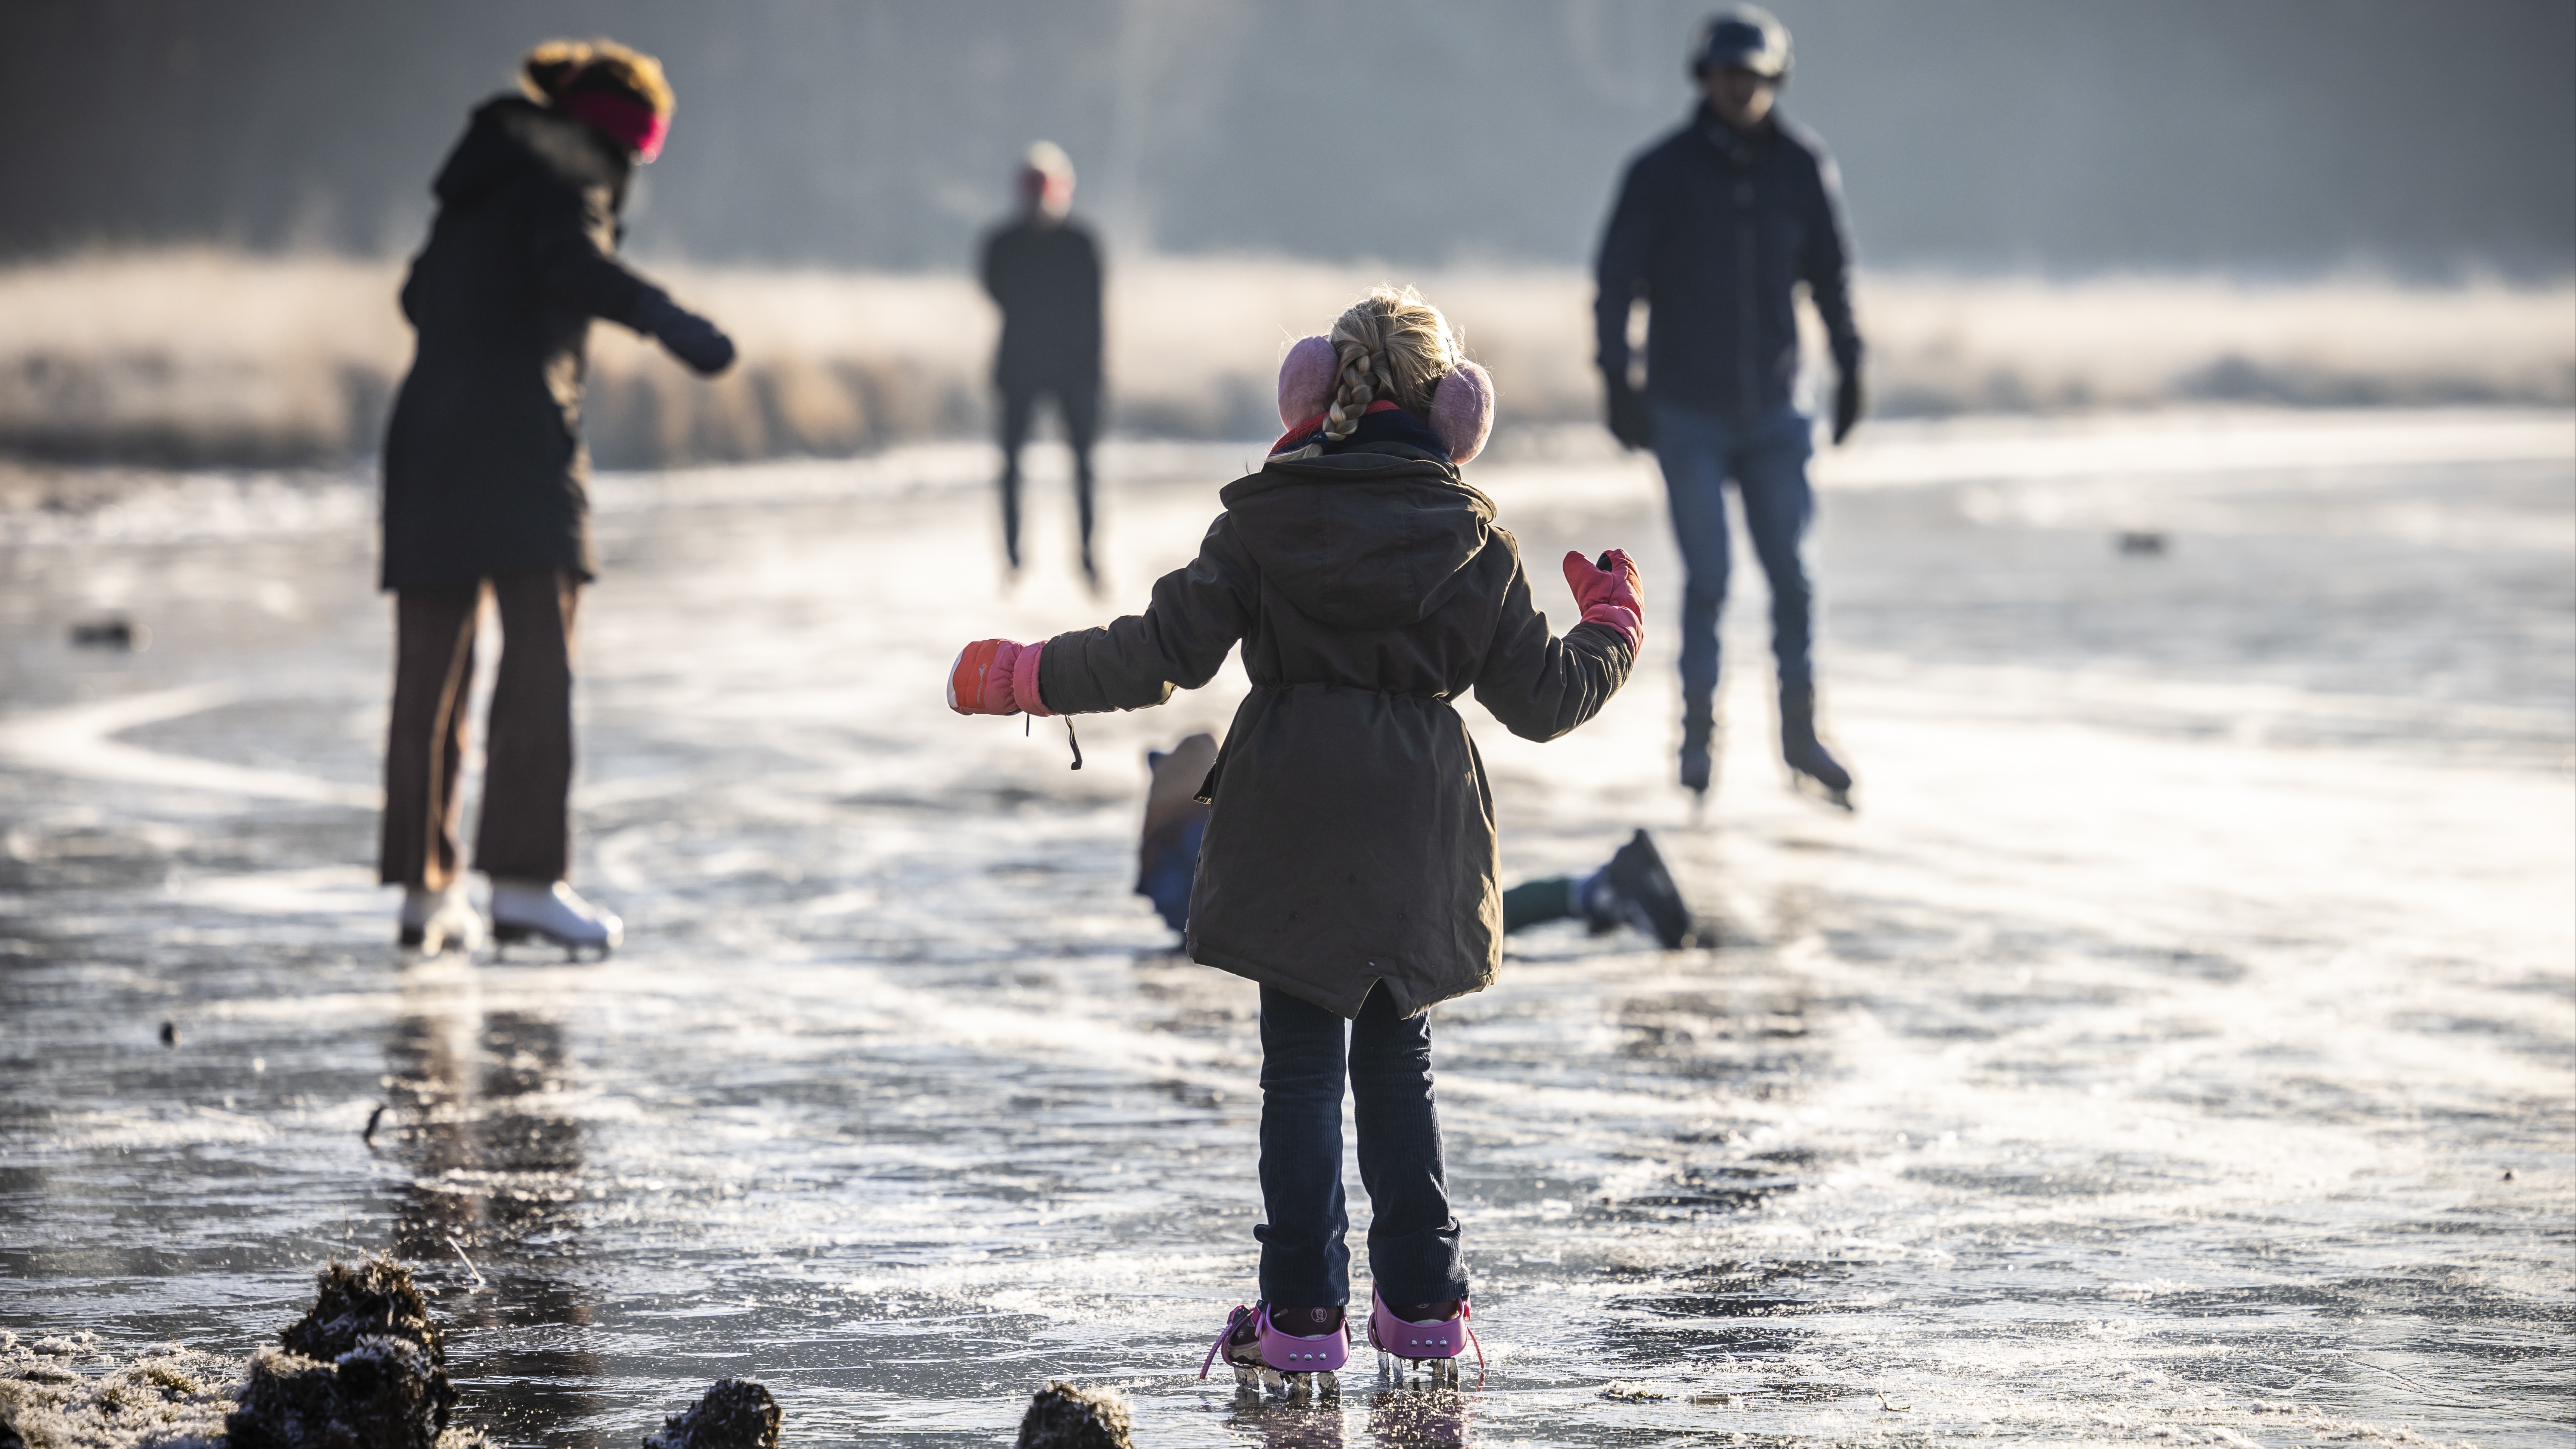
x=1028, y=725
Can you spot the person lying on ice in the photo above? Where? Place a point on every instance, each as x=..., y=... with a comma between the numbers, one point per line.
x=1631, y=889
x=1349, y=859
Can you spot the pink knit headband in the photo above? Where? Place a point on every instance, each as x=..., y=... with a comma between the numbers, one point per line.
x=631, y=121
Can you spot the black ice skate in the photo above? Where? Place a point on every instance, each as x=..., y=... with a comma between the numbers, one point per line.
x=1645, y=892
x=1699, y=735
x=1814, y=767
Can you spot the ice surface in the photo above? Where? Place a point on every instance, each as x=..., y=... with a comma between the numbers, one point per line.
x=2180, y=1044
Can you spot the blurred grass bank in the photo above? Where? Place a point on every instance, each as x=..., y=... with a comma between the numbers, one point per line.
x=213, y=358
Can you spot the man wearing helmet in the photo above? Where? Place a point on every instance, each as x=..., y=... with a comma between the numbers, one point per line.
x=1714, y=228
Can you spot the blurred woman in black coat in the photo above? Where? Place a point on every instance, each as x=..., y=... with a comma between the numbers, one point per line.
x=485, y=480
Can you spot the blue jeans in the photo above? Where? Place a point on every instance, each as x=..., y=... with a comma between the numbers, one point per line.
x=1768, y=461
x=1413, y=1239
x=1170, y=874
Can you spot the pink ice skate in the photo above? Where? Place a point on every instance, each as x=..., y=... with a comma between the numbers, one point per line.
x=1275, y=1362
x=1429, y=1349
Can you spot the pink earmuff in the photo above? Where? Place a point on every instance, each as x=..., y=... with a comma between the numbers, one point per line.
x=1462, y=411
x=1306, y=380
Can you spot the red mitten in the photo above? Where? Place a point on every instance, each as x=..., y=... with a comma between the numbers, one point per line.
x=996, y=676
x=980, y=681
x=1610, y=593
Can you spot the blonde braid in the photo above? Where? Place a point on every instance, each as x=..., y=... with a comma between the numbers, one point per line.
x=1355, y=341
x=1392, y=344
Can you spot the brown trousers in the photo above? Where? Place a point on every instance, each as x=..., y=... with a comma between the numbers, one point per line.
x=526, y=830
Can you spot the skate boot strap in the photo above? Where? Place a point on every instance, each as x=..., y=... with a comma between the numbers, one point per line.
x=1406, y=1339
x=1237, y=1316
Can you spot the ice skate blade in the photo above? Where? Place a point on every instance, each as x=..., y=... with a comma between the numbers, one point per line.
x=514, y=935
x=1393, y=1368
x=1271, y=1382
x=1822, y=793
x=425, y=944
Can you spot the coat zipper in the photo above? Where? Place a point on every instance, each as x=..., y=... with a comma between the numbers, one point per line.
x=1746, y=324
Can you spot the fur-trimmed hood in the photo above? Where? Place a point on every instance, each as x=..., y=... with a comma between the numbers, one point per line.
x=511, y=133
x=1373, y=538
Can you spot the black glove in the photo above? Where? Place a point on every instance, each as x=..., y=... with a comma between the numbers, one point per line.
x=691, y=338
x=1847, y=405
x=1631, y=421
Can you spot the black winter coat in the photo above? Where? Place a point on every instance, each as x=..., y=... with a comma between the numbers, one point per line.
x=1352, y=842
x=1714, y=229
x=1047, y=282
x=485, y=471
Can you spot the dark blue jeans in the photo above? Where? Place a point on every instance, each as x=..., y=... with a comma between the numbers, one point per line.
x=1768, y=461
x=1079, y=400
x=1413, y=1240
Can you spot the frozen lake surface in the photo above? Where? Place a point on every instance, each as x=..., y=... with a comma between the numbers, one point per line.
x=2179, y=1046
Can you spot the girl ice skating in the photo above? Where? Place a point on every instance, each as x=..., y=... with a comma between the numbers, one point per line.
x=1349, y=862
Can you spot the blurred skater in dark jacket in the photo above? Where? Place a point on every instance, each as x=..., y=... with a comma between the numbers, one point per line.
x=1043, y=270
x=486, y=474
x=1715, y=228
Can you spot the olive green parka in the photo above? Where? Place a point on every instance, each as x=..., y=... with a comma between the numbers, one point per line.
x=1351, y=846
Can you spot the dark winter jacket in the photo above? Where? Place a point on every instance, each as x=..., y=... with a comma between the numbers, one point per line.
x=485, y=471
x=1714, y=228
x=1352, y=842
x=1047, y=281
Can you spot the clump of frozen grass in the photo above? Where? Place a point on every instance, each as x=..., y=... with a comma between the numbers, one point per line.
x=1069, y=1416
x=364, y=1368
x=381, y=1393
x=734, y=1414
x=209, y=357
x=168, y=1398
x=374, y=1299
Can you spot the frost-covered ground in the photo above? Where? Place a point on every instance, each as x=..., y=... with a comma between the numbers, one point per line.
x=2179, y=1045
x=193, y=356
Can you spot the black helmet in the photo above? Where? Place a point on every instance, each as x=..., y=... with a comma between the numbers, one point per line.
x=1745, y=36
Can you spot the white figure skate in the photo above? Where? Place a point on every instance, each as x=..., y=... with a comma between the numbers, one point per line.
x=549, y=911
x=437, y=922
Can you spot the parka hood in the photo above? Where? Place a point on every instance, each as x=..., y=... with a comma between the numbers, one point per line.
x=1373, y=538
x=511, y=133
